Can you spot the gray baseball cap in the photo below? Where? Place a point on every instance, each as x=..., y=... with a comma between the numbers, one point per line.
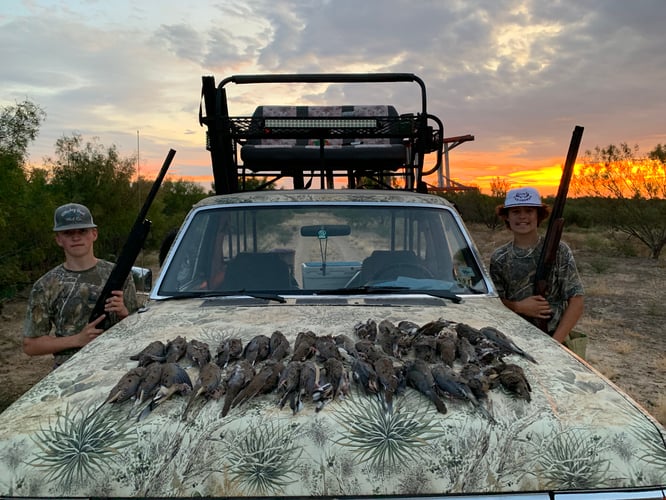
x=72, y=216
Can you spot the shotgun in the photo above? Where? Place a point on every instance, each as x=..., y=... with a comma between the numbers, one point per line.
x=555, y=225
x=131, y=249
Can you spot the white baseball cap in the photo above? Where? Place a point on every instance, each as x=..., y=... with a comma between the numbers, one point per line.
x=522, y=197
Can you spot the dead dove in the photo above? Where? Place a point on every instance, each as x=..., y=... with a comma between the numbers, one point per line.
x=240, y=375
x=336, y=375
x=208, y=384
x=450, y=384
x=465, y=351
x=420, y=378
x=368, y=350
x=155, y=351
x=347, y=345
x=473, y=335
x=176, y=349
x=425, y=349
x=309, y=381
x=304, y=346
x=175, y=380
x=367, y=330
x=334, y=383
x=364, y=374
x=446, y=349
x=198, y=352
x=408, y=327
x=257, y=349
x=279, y=346
x=326, y=348
x=512, y=377
x=126, y=387
x=432, y=328
x=263, y=382
x=387, y=380
x=499, y=338
x=229, y=350
x=173, y=374
x=289, y=384
x=409, y=331
x=476, y=379
x=150, y=382
x=388, y=337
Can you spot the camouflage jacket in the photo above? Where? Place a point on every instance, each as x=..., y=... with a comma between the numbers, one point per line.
x=513, y=271
x=64, y=299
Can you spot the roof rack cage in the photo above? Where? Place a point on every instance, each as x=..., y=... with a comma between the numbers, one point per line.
x=363, y=144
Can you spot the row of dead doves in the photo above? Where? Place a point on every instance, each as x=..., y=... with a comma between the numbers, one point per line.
x=440, y=359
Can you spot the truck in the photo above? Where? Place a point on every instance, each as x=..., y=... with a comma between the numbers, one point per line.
x=324, y=327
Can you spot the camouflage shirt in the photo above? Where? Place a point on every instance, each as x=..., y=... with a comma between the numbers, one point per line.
x=64, y=299
x=513, y=271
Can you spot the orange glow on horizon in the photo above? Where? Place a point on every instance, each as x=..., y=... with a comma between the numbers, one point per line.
x=468, y=169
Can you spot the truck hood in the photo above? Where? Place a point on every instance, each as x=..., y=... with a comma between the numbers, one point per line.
x=577, y=432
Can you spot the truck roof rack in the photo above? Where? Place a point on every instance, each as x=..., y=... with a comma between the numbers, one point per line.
x=362, y=144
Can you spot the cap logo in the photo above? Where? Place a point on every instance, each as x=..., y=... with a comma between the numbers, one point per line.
x=527, y=197
x=73, y=215
x=522, y=196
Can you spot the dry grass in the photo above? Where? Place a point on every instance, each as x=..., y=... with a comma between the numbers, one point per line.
x=622, y=347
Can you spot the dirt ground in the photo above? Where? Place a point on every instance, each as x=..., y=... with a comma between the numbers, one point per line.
x=624, y=319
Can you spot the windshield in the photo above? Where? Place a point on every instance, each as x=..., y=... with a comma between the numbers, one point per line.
x=308, y=249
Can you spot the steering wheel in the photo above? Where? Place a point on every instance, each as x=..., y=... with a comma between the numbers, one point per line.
x=418, y=271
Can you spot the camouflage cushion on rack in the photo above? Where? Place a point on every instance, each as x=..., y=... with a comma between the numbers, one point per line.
x=269, y=153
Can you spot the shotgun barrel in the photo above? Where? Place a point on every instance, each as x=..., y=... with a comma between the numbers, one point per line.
x=131, y=248
x=556, y=224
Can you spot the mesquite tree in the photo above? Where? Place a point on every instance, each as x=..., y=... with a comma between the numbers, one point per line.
x=634, y=185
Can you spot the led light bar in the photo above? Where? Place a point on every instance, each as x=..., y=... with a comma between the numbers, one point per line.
x=320, y=123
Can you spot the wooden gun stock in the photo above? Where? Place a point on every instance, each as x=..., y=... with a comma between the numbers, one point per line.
x=550, y=254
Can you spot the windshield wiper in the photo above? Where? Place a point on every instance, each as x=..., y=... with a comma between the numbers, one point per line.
x=210, y=294
x=369, y=289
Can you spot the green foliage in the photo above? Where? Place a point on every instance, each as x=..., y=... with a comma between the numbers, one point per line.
x=476, y=207
x=20, y=204
x=19, y=126
x=177, y=198
x=81, y=171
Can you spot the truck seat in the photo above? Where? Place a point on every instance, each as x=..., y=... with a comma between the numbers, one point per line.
x=257, y=271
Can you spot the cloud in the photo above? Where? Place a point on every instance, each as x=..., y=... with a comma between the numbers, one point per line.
x=517, y=74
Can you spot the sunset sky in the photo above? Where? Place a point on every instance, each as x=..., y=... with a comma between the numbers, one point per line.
x=519, y=75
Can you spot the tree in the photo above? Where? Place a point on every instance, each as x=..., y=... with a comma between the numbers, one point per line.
x=636, y=186
x=658, y=153
x=19, y=125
